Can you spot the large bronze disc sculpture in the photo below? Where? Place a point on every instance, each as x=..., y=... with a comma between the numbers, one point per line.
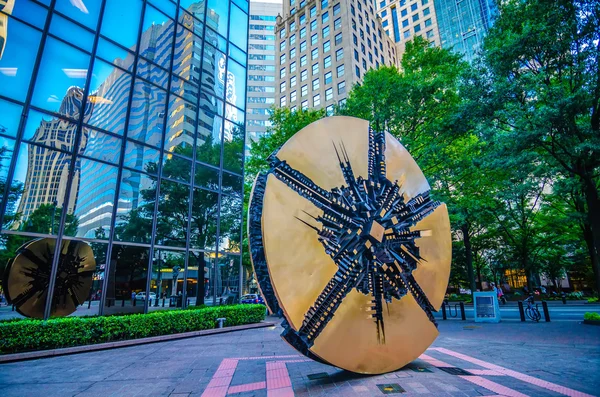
x=348, y=244
x=27, y=276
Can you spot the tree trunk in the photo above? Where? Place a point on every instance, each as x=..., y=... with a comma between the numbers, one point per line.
x=468, y=256
x=593, y=214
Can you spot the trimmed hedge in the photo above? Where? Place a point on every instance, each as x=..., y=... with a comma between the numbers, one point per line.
x=591, y=316
x=29, y=334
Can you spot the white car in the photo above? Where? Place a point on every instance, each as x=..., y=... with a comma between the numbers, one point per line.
x=142, y=296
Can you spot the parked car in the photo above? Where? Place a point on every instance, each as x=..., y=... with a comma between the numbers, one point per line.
x=142, y=296
x=252, y=298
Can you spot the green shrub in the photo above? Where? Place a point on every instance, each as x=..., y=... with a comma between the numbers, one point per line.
x=30, y=334
x=517, y=293
x=591, y=316
x=592, y=300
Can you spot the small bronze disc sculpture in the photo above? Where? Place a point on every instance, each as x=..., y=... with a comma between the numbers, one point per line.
x=347, y=243
x=27, y=277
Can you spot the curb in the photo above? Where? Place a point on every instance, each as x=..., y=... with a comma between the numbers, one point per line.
x=9, y=358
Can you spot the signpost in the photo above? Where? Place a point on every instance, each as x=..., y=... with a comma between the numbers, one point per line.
x=485, y=307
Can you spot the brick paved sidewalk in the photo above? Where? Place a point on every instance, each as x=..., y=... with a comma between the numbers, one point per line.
x=510, y=359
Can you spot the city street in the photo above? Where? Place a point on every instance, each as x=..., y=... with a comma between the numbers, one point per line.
x=467, y=359
x=510, y=311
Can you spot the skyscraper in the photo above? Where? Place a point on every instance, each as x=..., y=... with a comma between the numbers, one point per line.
x=154, y=162
x=463, y=24
x=324, y=47
x=261, y=67
x=405, y=19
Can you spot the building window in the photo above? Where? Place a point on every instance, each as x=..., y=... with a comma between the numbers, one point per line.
x=428, y=22
x=282, y=73
x=313, y=11
x=313, y=39
x=340, y=70
x=429, y=34
x=314, y=54
x=338, y=39
x=426, y=11
x=282, y=101
x=282, y=46
x=293, y=81
x=302, y=19
x=329, y=94
x=292, y=26
x=282, y=59
x=304, y=105
x=282, y=86
x=357, y=71
x=417, y=28
x=302, y=33
x=413, y=7
x=304, y=90
x=293, y=53
x=406, y=34
x=324, y=3
x=339, y=54
x=327, y=78
x=325, y=17
x=337, y=24
x=404, y=13
x=315, y=84
x=316, y=100
x=293, y=67
x=326, y=46
x=341, y=87
x=293, y=96
x=325, y=31
x=415, y=17
x=356, y=56
x=292, y=40
x=303, y=46
x=313, y=25
x=405, y=23
x=302, y=60
x=304, y=75
x=329, y=110
x=327, y=62
x=315, y=68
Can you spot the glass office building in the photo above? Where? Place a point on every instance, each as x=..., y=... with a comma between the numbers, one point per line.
x=122, y=126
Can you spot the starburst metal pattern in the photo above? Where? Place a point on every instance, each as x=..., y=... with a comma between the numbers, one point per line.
x=365, y=227
x=28, y=277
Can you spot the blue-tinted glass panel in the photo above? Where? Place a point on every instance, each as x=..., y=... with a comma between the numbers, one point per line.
x=61, y=79
x=135, y=207
x=47, y=130
x=141, y=157
x=126, y=292
x=29, y=11
x=10, y=116
x=109, y=95
x=173, y=210
x=84, y=12
x=95, y=199
x=203, y=230
x=7, y=147
x=157, y=37
x=72, y=33
x=236, y=84
x=147, y=113
x=101, y=146
x=238, y=29
x=16, y=65
x=123, y=24
x=218, y=16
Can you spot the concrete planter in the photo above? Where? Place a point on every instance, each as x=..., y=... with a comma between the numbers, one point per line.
x=591, y=322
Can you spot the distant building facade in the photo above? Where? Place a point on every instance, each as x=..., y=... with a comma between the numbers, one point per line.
x=463, y=24
x=405, y=19
x=261, y=68
x=324, y=47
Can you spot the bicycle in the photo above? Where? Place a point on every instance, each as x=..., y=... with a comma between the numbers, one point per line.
x=532, y=311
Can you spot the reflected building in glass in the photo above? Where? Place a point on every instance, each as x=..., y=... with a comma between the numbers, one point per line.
x=123, y=126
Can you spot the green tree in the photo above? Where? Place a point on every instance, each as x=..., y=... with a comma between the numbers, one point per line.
x=542, y=91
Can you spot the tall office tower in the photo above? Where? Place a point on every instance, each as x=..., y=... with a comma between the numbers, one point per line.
x=463, y=24
x=47, y=169
x=261, y=68
x=323, y=47
x=405, y=19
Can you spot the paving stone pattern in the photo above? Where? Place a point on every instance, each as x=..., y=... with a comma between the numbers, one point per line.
x=510, y=359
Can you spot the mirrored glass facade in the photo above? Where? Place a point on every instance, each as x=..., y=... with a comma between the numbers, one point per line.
x=122, y=125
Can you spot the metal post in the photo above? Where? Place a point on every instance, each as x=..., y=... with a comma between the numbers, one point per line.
x=546, y=312
x=163, y=302
x=123, y=303
x=444, y=311
x=462, y=311
x=90, y=302
x=521, y=311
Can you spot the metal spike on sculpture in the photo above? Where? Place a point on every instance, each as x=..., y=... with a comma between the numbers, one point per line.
x=356, y=261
